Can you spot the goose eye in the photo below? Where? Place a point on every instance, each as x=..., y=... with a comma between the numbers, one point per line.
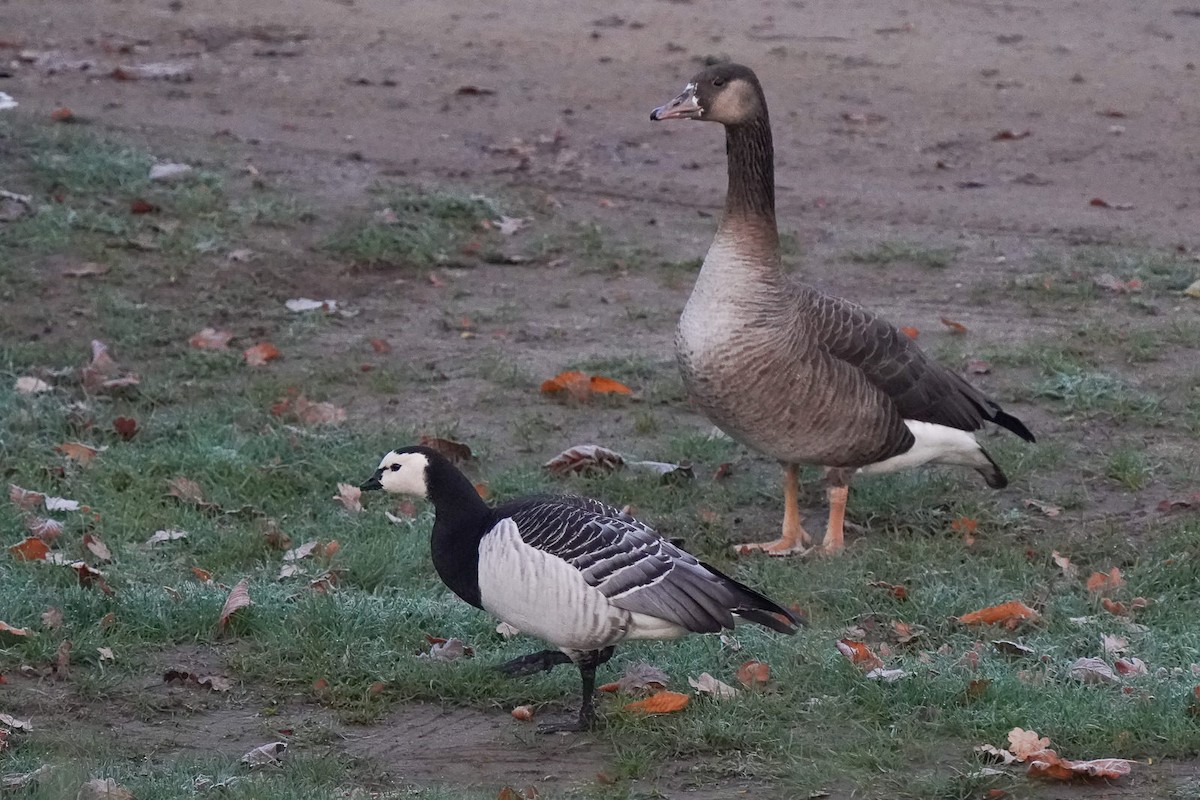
x=718, y=81
x=395, y=467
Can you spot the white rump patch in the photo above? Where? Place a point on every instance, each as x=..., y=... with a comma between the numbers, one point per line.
x=936, y=444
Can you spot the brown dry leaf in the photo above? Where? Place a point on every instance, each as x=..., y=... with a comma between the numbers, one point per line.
x=215, y=683
x=90, y=576
x=25, y=499
x=12, y=631
x=202, y=575
x=1009, y=135
x=598, y=384
x=1069, y=570
x=1113, y=645
x=752, y=674
x=1024, y=744
x=125, y=427
x=52, y=617
x=523, y=713
x=859, y=654
x=44, y=528
x=210, y=339
x=707, y=684
x=956, y=328
x=1102, y=583
x=1049, y=509
x=585, y=459
x=102, y=373
x=1114, y=608
x=455, y=452
x=302, y=551
x=77, y=451
x=642, y=678
x=1010, y=615
x=85, y=269
x=1093, y=670
x=328, y=550
x=304, y=411
x=106, y=654
x=96, y=547
x=660, y=703
x=168, y=535
x=897, y=590
x=1100, y=202
x=1131, y=666
x=31, y=549
x=188, y=491
x=381, y=346
x=350, y=496
x=260, y=354
x=910, y=331
x=265, y=755
x=238, y=598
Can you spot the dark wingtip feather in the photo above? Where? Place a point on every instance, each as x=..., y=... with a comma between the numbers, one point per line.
x=756, y=607
x=1009, y=422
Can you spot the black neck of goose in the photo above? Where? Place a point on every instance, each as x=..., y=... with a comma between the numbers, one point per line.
x=461, y=519
x=751, y=156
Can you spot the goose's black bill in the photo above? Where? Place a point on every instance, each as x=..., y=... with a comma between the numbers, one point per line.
x=373, y=483
x=685, y=106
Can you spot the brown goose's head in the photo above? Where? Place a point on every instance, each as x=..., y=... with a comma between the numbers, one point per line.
x=726, y=93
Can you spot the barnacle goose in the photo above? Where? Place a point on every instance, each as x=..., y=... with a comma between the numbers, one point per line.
x=573, y=571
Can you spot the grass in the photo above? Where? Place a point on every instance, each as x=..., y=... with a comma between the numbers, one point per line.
x=904, y=252
x=349, y=655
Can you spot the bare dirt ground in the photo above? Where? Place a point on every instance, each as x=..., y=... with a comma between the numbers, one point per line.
x=888, y=120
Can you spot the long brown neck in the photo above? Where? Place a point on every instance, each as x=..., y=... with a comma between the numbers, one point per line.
x=750, y=200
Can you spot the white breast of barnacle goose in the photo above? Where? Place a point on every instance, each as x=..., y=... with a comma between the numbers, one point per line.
x=559, y=572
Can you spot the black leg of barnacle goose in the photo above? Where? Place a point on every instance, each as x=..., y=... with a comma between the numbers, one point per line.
x=587, y=709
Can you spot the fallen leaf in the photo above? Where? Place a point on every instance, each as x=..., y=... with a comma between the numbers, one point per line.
x=260, y=354
x=585, y=459
x=52, y=617
x=102, y=373
x=506, y=630
x=12, y=631
x=445, y=651
x=1113, y=645
x=302, y=304
x=31, y=385
x=238, y=598
x=1193, y=289
x=303, y=410
x=166, y=535
x=886, y=675
x=210, y=339
x=752, y=674
x=1100, y=202
x=302, y=551
x=25, y=499
x=153, y=71
x=1069, y=570
x=242, y=255
x=106, y=654
x=1092, y=670
x=977, y=366
x=103, y=789
x=966, y=526
x=523, y=713
x=290, y=571
x=140, y=206
x=1008, y=135
x=90, y=576
x=1046, y=508
x=1003, y=755
x=1113, y=607
x=956, y=328
x=188, y=491
x=859, y=654
x=381, y=346
x=44, y=528
x=77, y=451
x=580, y=386
x=125, y=427
x=1010, y=615
x=265, y=755
x=1011, y=648
x=31, y=549
x=1131, y=666
x=97, y=547
x=1024, y=744
x=202, y=575
x=641, y=678
x=660, y=703
x=910, y=331
x=1102, y=583
x=168, y=171
x=897, y=590
x=350, y=496
x=860, y=118
x=455, y=452
x=1114, y=284
x=707, y=684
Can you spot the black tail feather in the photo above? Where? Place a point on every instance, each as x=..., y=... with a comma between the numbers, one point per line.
x=758, y=608
x=1008, y=421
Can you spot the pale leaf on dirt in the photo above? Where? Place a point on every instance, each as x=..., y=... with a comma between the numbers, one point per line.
x=522, y=713
x=265, y=755
x=506, y=630
x=707, y=684
x=238, y=598
x=153, y=71
x=1193, y=289
x=166, y=535
x=210, y=339
x=1002, y=755
x=106, y=654
x=301, y=304
x=450, y=650
x=1092, y=670
x=30, y=385
x=7, y=102
x=1025, y=743
x=350, y=496
x=1048, y=509
x=585, y=459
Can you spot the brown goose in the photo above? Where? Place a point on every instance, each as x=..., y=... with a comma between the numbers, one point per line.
x=795, y=374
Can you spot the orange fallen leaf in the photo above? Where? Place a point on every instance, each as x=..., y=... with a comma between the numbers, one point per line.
x=31, y=549
x=898, y=590
x=202, y=575
x=140, y=206
x=753, y=673
x=10, y=630
x=320, y=685
x=859, y=654
x=1113, y=607
x=664, y=702
x=376, y=688
x=76, y=451
x=609, y=687
x=956, y=328
x=602, y=385
x=260, y=354
x=62, y=114
x=238, y=598
x=523, y=713
x=910, y=331
x=1102, y=583
x=581, y=386
x=381, y=346
x=1008, y=614
x=483, y=491
x=210, y=339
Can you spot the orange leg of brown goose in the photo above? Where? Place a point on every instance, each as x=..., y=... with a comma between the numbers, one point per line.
x=794, y=539
x=838, y=491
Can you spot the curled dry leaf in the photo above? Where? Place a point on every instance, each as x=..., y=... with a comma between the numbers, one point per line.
x=1103, y=583
x=642, y=678
x=188, y=491
x=956, y=328
x=752, y=674
x=660, y=703
x=897, y=590
x=25, y=499
x=106, y=654
x=167, y=535
x=52, y=617
x=260, y=354
x=1093, y=670
x=265, y=755
x=1010, y=615
x=506, y=630
x=210, y=339
x=60, y=504
x=238, y=598
x=11, y=630
x=1113, y=645
x=1131, y=666
x=859, y=654
x=30, y=385
x=1049, y=509
x=302, y=551
x=1024, y=744
x=44, y=528
x=77, y=451
x=1068, y=569
x=585, y=459
x=707, y=684
x=579, y=386
x=30, y=549
x=96, y=547
x=523, y=713
x=350, y=496
x=446, y=650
